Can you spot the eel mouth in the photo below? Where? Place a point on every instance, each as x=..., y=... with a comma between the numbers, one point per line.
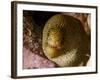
x=57, y=47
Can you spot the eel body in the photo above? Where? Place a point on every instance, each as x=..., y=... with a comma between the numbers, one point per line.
x=65, y=41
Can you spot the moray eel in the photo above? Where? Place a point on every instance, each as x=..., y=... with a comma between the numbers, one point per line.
x=64, y=40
